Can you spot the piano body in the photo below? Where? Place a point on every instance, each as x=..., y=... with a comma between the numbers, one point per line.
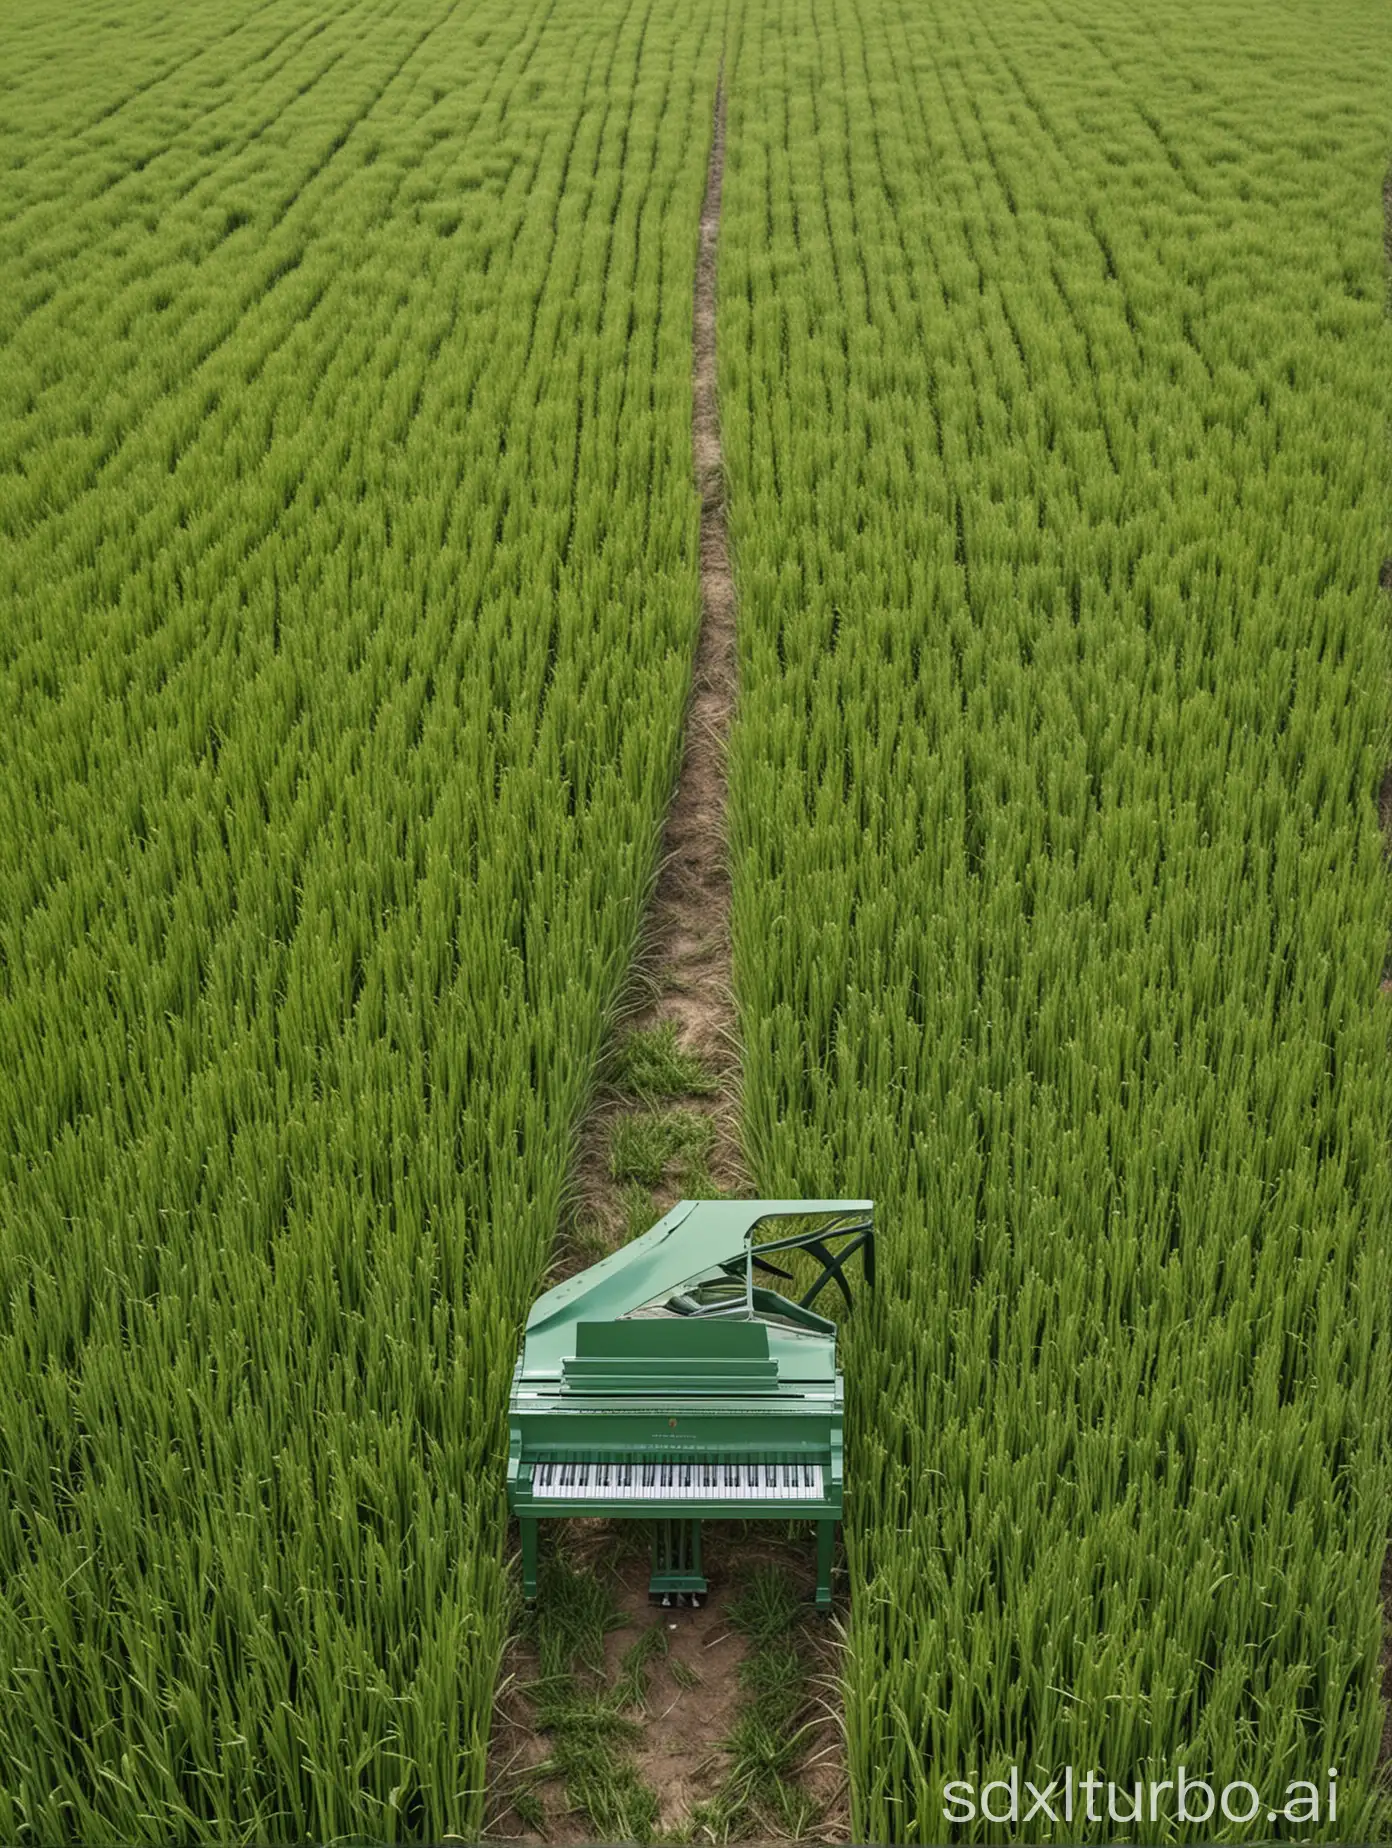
x=664, y=1384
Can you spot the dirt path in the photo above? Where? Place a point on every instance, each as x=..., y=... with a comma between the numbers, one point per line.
x=681, y=976
x=682, y=969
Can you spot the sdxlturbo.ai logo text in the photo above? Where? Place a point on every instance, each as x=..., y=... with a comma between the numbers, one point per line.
x=1093, y=1798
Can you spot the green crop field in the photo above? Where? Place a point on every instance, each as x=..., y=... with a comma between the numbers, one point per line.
x=349, y=591
x=1055, y=394
x=349, y=588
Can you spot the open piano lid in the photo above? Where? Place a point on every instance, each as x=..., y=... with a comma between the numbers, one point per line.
x=695, y=1238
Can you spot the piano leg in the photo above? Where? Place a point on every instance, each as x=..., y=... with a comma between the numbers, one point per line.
x=826, y=1540
x=529, y=1558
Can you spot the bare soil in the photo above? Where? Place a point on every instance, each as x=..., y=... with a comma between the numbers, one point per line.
x=680, y=1755
x=682, y=974
x=682, y=968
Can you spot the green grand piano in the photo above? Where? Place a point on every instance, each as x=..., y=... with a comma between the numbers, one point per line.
x=664, y=1384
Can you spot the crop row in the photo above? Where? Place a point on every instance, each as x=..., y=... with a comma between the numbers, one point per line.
x=1054, y=409
x=349, y=591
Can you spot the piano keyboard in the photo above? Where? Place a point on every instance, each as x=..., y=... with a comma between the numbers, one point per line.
x=678, y=1481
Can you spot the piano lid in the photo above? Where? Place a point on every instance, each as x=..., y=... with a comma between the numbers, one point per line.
x=694, y=1238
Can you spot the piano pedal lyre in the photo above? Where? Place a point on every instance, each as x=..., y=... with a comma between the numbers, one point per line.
x=676, y=1563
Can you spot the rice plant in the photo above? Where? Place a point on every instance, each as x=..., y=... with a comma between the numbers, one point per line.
x=348, y=590
x=1054, y=405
